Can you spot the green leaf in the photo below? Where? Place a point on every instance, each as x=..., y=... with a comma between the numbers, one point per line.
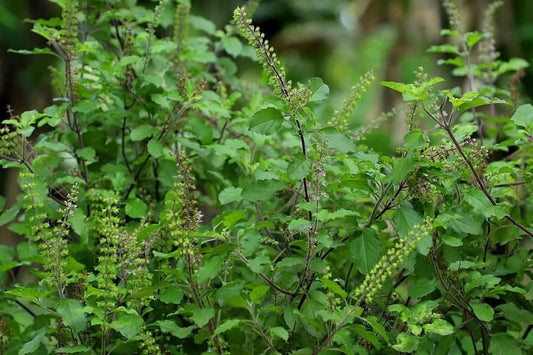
x=523, y=117
x=422, y=287
x=483, y=311
x=472, y=38
x=365, y=250
x=405, y=217
x=299, y=167
x=227, y=325
x=503, y=344
x=169, y=326
x=171, y=295
x=334, y=287
x=201, y=316
x=258, y=293
x=129, y=325
x=8, y=265
x=256, y=264
x=320, y=91
x=266, y=121
x=155, y=148
x=78, y=222
x=141, y=132
x=136, y=208
x=444, y=48
x=402, y=167
x=87, y=153
x=31, y=294
x=72, y=314
x=210, y=269
x=27, y=251
x=299, y=225
x=229, y=195
x=479, y=202
x=202, y=24
x=514, y=64
x=262, y=190
x=280, y=332
x=2, y=202
x=406, y=343
x=232, y=46
x=9, y=214
x=338, y=141
x=515, y=314
x=439, y=326
x=73, y=349
x=33, y=344
x=466, y=223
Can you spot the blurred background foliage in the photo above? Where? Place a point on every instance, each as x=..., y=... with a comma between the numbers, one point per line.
x=338, y=40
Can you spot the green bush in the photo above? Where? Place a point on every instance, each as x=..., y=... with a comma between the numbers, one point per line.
x=173, y=206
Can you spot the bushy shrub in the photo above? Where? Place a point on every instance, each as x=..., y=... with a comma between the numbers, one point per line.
x=171, y=206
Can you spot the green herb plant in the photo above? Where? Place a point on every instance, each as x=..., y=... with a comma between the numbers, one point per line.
x=171, y=206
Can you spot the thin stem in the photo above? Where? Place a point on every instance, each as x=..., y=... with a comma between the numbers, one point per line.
x=266, y=278
x=481, y=184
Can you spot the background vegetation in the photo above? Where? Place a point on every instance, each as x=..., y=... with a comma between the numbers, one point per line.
x=188, y=187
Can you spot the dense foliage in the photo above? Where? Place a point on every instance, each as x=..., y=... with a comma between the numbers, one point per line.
x=172, y=205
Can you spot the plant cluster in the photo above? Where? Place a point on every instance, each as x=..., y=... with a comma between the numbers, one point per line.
x=172, y=206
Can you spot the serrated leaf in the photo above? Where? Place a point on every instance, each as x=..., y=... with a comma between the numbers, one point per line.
x=232, y=46
x=209, y=269
x=523, y=116
x=9, y=214
x=515, y=314
x=483, y=311
x=136, y=208
x=256, y=265
x=71, y=312
x=227, y=325
x=87, y=153
x=201, y=316
x=171, y=295
x=73, y=349
x=258, y=292
x=155, y=148
x=479, y=202
x=503, y=344
x=472, y=38
x=129, y=325
x=266, y=121
x=466, y=223
x=406, y=343
x=514, y=64
x=334, y=287
x=33, y=344
x=202, y=24
x=325, y=216
x=422, y=287
x=280, y=333
x=299, y=167
x=365, y=250
x=320, y=91
x=141, y=132
x=445, y=48
x=338, y=141
x=299, y=224
x=169, y=326
x=262, y=190
x=230, y=194
x=405, y=218
x=402, y=167
x=440, y=327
